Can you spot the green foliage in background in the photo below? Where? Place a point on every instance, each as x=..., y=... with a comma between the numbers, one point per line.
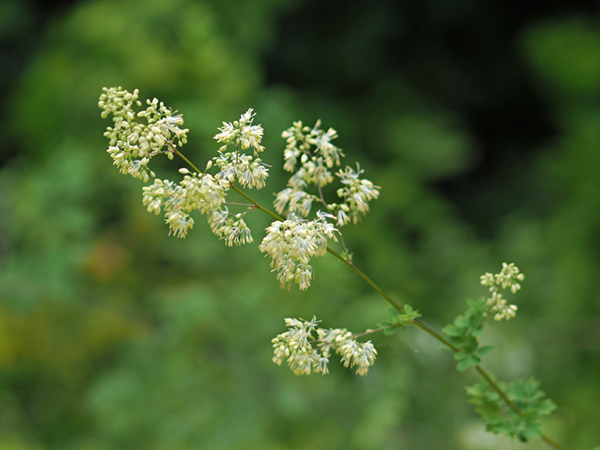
x=115, y=336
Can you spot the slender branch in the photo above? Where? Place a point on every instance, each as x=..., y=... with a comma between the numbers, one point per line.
x=376, y=330
x=182, y=156
x=258, y=206
x=377, y=289
x=482, y=372
x=551, y=442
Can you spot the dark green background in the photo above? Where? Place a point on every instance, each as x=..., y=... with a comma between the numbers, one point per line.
x=479, y=120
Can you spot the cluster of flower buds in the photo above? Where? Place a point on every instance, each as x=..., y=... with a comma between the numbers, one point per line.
x=508, y=278
x=136, y=137
x=296, y=347
x=247, y=170
x=201, y=192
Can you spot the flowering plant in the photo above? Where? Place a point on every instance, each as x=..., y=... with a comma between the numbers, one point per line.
x=310, y=224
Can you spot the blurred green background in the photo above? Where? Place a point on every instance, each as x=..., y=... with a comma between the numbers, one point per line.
x=479, y=120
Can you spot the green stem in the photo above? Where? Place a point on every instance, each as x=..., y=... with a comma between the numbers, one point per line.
x=257, y=205
x=443, y=340
x=182, y=156
x=392, y=302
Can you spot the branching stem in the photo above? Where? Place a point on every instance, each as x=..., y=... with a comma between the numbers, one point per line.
x=482, y=372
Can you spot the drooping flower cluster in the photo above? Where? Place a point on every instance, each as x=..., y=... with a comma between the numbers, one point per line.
x=132, y=142
x=311, y=157
x=508, y=278
x=292, y=243
x=296, y=347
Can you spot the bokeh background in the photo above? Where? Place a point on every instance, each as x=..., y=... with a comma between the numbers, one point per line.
x=479, y=120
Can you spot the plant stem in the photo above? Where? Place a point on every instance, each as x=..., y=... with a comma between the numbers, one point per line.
x=182, y=156
x=392, y=302
x=257, y=205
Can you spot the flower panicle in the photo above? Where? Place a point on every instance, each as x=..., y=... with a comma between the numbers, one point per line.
x=249, y=171
x=296, y=347
x=136, y=137
x=203, y=193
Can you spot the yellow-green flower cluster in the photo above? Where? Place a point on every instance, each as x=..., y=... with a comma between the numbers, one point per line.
x=508, y=278
x=230, y=227
x=201, y=192
x=137, y=137
x=311, y=157
x=296, y=347
x=292, y=243
x=248, y=170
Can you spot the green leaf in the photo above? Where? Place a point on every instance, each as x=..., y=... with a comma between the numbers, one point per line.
x=399, y=320
x=545, y=407
x=451, y=330
x=464, y=331
x=466, y=361
x=482, y=351
x=499, y=417
x=389, y=331
x=463, y=365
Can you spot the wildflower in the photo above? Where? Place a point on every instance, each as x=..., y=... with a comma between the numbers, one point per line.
x=248, y=170
x=356, y=192
x=195, y=192
x=231, y=228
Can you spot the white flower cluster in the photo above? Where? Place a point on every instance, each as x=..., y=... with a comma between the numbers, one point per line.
x=201, y=192
x=292, y=243
x=249, y=171
x=295, y=346
x=136, y=137
x=132, y=142
x=356, y=194
x=311, y=157
x=230, y=227
x=509, y=277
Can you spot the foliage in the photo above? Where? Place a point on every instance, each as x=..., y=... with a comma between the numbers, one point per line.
x=399, y=320
x=464, y=334
x=525, y=395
